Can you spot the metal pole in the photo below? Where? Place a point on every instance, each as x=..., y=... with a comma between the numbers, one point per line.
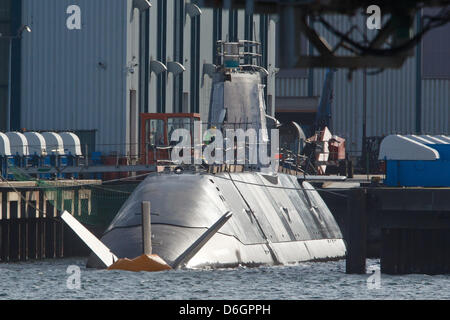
x=8, y=109
x=86, y=154
x=364, y=142
x=365, y=153
x=419, y=78
x=146, y=228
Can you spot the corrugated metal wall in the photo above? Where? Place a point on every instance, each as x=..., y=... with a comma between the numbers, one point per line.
x=77, y=79
x=436, y=106
x=5, y=26
x=390, y=100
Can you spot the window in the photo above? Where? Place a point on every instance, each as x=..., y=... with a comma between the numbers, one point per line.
x=155, y=133
x=436, y=50
x=175, y=123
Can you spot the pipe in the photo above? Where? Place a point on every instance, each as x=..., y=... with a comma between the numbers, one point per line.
x=146, y=228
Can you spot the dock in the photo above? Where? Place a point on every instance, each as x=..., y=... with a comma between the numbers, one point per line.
x=407, y=228
x=30, y=227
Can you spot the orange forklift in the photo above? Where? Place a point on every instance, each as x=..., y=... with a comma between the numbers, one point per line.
x=156, y=130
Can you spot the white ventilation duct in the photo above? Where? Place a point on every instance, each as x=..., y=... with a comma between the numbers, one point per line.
x=71, y=143
x=36, y=143
x=5, y=148
x=54, y=143
x=18, y=143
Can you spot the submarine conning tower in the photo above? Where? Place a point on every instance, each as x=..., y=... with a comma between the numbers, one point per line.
x=237, y=97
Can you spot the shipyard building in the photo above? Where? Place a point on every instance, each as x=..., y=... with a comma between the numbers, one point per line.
x=125, y=57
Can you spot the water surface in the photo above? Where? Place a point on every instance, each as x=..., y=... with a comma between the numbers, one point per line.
x=47, y=279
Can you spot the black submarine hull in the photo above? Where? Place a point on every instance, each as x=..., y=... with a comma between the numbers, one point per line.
x=276, y=220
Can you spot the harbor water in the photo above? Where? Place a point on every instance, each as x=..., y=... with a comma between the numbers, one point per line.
x=69, y=279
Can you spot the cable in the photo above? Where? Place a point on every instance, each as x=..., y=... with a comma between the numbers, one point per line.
x=287, y=188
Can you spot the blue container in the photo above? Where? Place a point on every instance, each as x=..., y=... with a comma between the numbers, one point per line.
x=404, y=173
x=416, y=161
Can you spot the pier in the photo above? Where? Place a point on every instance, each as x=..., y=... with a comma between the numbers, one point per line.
x=30, y=227
x=407, y=228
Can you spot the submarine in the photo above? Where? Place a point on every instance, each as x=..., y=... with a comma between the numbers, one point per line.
x=251, y=217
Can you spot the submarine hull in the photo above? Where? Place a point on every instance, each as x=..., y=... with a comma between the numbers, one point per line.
x=276, y=220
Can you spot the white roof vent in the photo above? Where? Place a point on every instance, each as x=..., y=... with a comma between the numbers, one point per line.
x=71, y=143
x=398, y=147
x=36, y=143
x=5, y=148
x=54, y=143
x=18, y=143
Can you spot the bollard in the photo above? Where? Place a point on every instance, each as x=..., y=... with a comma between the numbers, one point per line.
x=356, y=232
x=146, y=228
